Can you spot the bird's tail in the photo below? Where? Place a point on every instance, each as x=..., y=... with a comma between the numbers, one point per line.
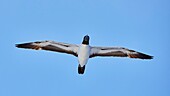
x=81, y=69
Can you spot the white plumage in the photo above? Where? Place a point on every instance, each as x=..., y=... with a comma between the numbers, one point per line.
x=83, y=54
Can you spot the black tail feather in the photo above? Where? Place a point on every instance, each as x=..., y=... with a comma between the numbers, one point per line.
x=81, y=69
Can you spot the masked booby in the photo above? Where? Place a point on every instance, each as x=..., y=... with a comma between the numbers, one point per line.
x=83, y=51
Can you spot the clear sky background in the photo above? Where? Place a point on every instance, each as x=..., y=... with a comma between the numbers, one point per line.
x=142, y=25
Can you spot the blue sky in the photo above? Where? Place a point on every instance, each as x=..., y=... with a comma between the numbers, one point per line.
x=142, y=25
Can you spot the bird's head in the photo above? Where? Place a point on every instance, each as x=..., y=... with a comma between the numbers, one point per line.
x=86, y=40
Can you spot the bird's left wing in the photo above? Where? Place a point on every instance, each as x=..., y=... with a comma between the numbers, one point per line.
x=51, y=46
x=117, y=52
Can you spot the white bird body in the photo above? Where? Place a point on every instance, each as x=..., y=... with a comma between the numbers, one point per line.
x=83, y=54
x=84, y=51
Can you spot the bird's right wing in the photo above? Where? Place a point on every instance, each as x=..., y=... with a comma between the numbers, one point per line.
x=117, y=52
x=51, y=46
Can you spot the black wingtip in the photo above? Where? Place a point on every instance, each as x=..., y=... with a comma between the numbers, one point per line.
x=17, y=45
x=139, y=55
x=24, y=45
x=145, y=56
x=149, y=57
x=152, y=57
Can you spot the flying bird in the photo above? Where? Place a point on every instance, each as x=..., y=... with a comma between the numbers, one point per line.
x=83, y=51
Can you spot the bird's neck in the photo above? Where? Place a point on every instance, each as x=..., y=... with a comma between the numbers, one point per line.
x=85, y=42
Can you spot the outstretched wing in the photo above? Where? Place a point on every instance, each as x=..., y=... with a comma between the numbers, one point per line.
x=51, y=46
x=118, y=52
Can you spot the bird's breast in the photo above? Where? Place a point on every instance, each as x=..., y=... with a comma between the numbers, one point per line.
x=83, y=55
